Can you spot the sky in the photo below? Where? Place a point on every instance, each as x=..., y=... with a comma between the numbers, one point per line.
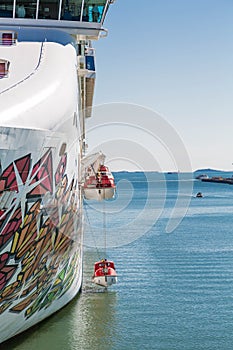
x=175, y=58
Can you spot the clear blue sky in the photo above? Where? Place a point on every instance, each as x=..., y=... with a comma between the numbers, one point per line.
x=176, y=58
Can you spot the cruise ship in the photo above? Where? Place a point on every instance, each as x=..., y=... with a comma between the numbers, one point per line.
x=47, y=80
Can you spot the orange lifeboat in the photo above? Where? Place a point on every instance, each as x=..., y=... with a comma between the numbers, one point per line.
x=104, y=273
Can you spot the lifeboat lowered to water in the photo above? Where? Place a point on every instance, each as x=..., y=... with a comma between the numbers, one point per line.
x=104, y=273
x=98, y=181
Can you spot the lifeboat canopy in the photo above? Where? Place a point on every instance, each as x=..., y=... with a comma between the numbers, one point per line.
x=104, y=273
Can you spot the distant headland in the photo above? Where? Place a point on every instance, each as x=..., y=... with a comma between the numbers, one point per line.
x=204, y=175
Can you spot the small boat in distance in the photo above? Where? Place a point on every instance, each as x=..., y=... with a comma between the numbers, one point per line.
x=104, y=273
x=199, y=195
x=202, y=176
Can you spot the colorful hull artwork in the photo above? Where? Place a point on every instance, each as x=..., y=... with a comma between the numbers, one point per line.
x=40, y=237
x=47, y=84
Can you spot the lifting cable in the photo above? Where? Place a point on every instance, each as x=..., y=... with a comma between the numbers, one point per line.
x=91, y=231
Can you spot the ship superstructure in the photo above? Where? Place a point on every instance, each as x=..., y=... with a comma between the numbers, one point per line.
x=47, y=78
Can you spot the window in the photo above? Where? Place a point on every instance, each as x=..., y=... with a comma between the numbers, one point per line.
x=6, y=9
x=25, y=9
x=93, y=10
x=49, y=9
x=4, y=68
x=71, y=10
x=8, y=38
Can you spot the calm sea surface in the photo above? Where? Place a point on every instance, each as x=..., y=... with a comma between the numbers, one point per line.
x=174, y=291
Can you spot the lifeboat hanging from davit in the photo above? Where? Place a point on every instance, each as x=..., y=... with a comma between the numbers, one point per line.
x=98, y=181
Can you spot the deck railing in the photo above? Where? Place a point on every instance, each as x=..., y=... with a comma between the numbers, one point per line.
x=8, y=42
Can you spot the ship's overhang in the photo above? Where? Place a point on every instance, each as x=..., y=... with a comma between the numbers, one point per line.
x=85, y=30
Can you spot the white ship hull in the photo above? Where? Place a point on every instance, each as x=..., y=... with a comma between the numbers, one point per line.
x=40, y=208
x=47, y=76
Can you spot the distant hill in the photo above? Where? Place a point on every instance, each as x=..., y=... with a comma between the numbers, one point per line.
x=207, y=170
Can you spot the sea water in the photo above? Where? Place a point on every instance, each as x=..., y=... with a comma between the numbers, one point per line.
x=175, y=286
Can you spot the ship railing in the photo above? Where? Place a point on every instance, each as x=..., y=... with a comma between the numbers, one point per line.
x=8, y=42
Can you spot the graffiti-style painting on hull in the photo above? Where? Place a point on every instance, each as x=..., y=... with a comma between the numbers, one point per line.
x=39, y=226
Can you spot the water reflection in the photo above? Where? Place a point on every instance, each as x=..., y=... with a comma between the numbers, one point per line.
x=95, y=312
x=97, y=319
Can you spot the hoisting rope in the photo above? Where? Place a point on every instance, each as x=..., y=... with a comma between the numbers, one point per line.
x=104, y=227
x=93, y=169
x=93, y=236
